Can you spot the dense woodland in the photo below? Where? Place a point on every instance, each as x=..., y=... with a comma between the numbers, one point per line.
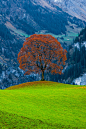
x=76, y=66
x=76, y=60
x=5, y=33
x=81, y=37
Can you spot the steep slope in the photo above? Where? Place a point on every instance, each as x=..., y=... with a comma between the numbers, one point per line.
x=75, y=8
x=20, y=19
x=33, y=16
x=76, y=70
x=80, y=44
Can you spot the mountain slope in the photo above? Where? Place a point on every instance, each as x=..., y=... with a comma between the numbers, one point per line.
x=34, y=15
x=75, y=8
x=20, y=19
x=76, y=58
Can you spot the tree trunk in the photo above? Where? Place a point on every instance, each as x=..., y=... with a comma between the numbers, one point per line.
x=42, y=75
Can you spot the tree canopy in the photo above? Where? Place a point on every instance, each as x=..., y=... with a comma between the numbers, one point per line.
x=42, y=53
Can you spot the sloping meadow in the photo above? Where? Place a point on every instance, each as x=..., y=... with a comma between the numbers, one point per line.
x=43, y=105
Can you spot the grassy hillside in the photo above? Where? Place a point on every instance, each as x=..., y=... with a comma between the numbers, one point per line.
x=43, y=105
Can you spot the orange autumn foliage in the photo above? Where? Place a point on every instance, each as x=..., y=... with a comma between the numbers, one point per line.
x=42, y=52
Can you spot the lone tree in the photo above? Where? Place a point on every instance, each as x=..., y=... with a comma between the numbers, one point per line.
x=42, y=53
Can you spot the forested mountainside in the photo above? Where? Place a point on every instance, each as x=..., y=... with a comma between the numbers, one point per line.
x=9, y=48
x=21, y=18
x=76, y=60
x=75, y=8
x=33, y=15
x=81, y=37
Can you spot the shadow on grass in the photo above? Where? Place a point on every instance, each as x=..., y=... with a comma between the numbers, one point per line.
x=13, y=121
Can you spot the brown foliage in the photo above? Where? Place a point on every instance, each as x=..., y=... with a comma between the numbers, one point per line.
x=40, y=53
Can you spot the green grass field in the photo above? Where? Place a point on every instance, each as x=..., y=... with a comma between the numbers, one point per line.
x=43, y=105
